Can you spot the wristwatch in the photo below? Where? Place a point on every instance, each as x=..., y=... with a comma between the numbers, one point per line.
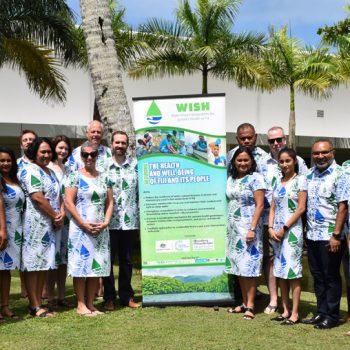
x=336, y=236
x=285, y=228
x=252, y=229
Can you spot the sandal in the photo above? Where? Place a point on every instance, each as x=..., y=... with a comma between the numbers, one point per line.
x=270, y=309
x=34, y=312
x=237, y=310
x=248, y=316
x=280, y=318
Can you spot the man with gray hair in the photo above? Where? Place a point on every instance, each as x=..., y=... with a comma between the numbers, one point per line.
x=268, y=167
x=94, y=134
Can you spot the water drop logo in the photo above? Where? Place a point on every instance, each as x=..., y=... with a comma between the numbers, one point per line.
x=154, y=115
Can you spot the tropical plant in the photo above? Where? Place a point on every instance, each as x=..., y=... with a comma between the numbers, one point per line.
x=105, y=67
x=200, y=40
x=303, y=69
x=338, y=36
x=35, y=38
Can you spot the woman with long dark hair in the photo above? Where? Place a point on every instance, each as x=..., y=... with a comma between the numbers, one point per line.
x=286, y=229
x=245, y=191
x=13, y=197
x=63, y=149
x=43, y=217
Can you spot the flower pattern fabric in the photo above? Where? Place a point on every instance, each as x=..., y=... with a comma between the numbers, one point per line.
x=288, y=252
x=243, y=259
x=39, y=250
x=124, y=184
x=325, y=190
x=88, y=256
x=10, y=257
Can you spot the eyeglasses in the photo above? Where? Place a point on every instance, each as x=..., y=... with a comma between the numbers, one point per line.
x=277, y=139
x=87, y=154
x=321, y=153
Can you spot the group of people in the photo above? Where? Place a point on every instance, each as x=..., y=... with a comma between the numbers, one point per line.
x=65, y=210
x=68, y=210
x=269, y=196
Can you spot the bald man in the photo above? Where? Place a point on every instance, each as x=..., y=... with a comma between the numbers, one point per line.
x=94, y=134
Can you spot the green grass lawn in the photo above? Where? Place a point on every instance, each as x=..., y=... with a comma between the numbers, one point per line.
x=168, y=328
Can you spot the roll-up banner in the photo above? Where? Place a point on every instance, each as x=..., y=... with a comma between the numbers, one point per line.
x=181, y=148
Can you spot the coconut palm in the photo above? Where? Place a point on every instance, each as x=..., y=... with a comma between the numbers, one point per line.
x=105, y=67
x=35, y=37
x=200, y=40
x=299, y=68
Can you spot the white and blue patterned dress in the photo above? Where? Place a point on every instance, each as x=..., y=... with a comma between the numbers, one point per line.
x=88, y=255
x=62, y=234
x=243, y=259
x=39, y=249
x=288, y=252
x=10, y=257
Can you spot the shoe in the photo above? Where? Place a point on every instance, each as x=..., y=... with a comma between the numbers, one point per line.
x=270, y=309
x=279, y=318
x=289, y=322
x=133, y=305
x=248, y=316
x=313, y=320
x=326, y=324
x=237, y=310
x=109, y=305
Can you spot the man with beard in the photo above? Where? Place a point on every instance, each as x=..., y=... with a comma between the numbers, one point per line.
x=123, y=228
x=26, y=139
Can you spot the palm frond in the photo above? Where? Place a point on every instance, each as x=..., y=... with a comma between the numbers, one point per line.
x=39, y=67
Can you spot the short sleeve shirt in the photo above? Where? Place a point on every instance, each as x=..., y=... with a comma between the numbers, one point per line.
x=124, y=183
x=325, y=190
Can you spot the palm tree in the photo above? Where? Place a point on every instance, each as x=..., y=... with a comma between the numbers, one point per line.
x=200, y=41
x=338, y=36
x=35, y=37
x=105, y=67
x=306, y=70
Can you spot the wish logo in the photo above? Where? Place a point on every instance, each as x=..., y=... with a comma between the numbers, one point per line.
x=154, y=115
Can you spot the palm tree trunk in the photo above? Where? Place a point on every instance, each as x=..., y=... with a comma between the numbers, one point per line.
x=291, y=135
x=205, y=80
x=105, y=68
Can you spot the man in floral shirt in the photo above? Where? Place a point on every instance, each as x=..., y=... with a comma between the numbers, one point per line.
x=94, y=134
x=123, y=228
x=327, y=207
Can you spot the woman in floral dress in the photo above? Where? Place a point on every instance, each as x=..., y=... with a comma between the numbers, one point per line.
x=89, y=199
x=43, y=217
x=13, y=197
x=245, y=192
x=286, y=229
x=63, y=149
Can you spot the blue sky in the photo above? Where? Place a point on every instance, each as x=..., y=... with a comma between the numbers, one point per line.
x=304, y=16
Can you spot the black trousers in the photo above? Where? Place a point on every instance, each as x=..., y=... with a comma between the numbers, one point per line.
x=325, y=269
x=121, y=243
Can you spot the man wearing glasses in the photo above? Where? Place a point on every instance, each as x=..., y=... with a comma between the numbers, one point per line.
x=268, y=167
x=94, y=134
x=327, y=207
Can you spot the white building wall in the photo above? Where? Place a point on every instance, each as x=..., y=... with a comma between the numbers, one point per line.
x=20, y=107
